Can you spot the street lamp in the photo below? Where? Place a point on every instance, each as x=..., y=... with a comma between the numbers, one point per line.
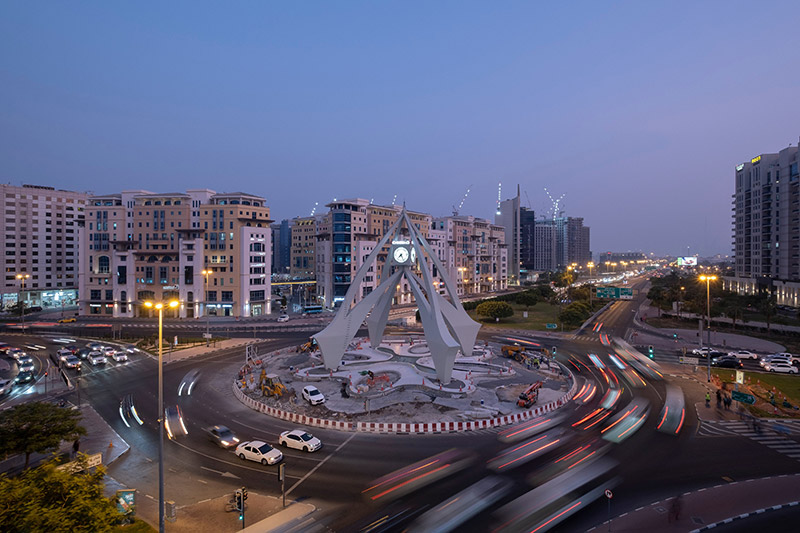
x=590, y=265
x=206, y=273
x=160, y=306
x=708, y=280
x=680, y=303
x=22, y=278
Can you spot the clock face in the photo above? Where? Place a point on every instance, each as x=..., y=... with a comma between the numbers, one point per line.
x=400, y=254
x=413, y=255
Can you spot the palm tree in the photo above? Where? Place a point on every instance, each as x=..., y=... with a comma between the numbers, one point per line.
x=768, y=309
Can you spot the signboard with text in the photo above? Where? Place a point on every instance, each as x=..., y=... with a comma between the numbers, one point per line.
x=614, y=293
x=749, y=399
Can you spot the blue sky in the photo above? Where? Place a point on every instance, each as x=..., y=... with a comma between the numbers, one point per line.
x=637, y=111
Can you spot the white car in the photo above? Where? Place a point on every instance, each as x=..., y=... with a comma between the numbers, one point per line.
x=130, y=348
x=72, y=362
x=119, y=357
x=785, y=368
x=258, y=451
x=5, y=386
x=63, y=354
x=312, y=395
x=25, y=364
x=108, y=351
x=16, y=353
x=283, y=318
x=743, y=354
x=300, y=440
x=774, y=359
x=97, y=358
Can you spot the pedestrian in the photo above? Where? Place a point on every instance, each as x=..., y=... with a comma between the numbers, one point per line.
x=728, y=402
x=675, y=509
x=75, y=447
x=708, y=400
x=719, y=399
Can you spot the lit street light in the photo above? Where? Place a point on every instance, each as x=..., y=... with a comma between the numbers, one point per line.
x=206, y=273
x=160, y=306
x=708, y=280
x=22, y=278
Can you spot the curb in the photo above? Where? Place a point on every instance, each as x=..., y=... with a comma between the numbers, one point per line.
x=745, y=515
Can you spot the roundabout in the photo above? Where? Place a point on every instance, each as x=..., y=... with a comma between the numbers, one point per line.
x=393, y=389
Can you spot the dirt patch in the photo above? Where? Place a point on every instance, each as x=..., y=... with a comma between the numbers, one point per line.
x=510, y=393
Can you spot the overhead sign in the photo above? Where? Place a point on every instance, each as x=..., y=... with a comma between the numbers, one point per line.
x=749, y=399
x=617, y=293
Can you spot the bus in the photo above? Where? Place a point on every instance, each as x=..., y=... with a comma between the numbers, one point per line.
x=312, y=309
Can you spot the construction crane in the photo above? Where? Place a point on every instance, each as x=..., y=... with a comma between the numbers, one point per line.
x=314, y=209
x=461, y=204
x=555, y=212
x=499, y=191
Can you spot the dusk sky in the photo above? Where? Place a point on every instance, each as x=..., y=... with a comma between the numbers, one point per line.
x=637, y=111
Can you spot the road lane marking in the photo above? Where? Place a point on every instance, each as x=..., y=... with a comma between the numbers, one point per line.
x=320, y=464
x=238, y=465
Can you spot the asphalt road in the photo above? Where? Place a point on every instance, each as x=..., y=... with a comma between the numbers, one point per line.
x=652, y=465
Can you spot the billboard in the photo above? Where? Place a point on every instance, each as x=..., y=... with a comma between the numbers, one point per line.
x=687, y=261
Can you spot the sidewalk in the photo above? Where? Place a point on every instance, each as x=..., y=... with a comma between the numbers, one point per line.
x=188, y=353
x=708, y=507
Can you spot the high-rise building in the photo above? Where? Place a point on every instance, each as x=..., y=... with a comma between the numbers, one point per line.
x=141, y=246
x=302, y=250
x=766, y=226
x=40, y=244
x=281, y=246
x=508, y=216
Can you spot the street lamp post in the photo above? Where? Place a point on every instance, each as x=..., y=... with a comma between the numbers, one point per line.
x=206, y=273
x=590, y=264
x=160, y=306
x=708, y=280
x=680, y=303
x=22, y=278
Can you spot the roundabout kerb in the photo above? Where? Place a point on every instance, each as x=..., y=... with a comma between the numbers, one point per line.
x=399, y=376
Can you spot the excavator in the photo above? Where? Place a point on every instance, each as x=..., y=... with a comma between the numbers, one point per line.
x=310, y=346
x=271, y=385
x=517, y=353
x=530, y=395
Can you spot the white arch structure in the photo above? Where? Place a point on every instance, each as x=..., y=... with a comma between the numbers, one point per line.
x=447, y=326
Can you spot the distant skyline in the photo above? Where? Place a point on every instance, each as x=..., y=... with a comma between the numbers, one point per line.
x=638, y=112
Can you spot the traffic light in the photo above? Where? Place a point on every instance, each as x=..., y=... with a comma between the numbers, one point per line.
x=650, y=351
x=244, y=494
x=239, y=501
x=554, y=350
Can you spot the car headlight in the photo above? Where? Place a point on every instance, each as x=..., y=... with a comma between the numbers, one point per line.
x=224, y=443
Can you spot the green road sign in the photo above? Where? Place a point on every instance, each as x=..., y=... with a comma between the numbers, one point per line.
x=749, y=399
x=615, y=293
x=625, y=294
x=552, y=326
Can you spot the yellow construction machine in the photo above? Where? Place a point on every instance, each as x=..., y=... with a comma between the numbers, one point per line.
x=271, y=385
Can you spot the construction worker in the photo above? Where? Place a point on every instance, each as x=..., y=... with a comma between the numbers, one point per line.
x=708, y=399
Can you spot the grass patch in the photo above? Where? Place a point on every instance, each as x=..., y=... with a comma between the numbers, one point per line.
x=785, y=385
x=539, y=316
x=138, y=526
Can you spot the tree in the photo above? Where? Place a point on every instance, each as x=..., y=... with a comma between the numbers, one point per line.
x=37, y=427
x=49, y=499
x=768, y=309
x=495, y=310
x=527, y=298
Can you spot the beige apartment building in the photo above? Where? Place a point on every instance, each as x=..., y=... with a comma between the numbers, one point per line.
x=208, y=250
x=40, y=245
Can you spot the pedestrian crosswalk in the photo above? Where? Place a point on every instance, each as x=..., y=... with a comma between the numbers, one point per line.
x=781, y=436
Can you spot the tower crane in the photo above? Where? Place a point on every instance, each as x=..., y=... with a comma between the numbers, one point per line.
x=461, y=204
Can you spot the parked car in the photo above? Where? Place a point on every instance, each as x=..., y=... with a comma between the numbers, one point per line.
x=222, y=436
x=24, y=377
x=743, y=354
x=785, y=368
x=5, y=386
x=775, y=358
x=727, y=361
x=258, y=451
x=300, y=439
x=312, y=395
x=67, y=320
x=97, y=358
x=283, y=318
x=72, y=362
